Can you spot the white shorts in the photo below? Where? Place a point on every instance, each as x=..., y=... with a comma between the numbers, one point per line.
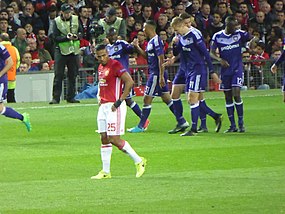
x=112, y=122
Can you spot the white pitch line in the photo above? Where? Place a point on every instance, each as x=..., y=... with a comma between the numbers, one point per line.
x=250, y=96
x=95, y=104
x=57, y=106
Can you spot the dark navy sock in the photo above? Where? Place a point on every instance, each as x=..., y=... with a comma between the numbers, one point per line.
x=178, y=111
x=239, y=108
x=145, y=113
x=208, y=110
x=203, y=118
x=231, y=114
x=9, y=112
x=136, y=109
x=195, y=113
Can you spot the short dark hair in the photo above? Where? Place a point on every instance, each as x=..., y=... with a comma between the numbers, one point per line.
x=261, y=45
x=185, y=16
x=238, y=11
x=222, y=3
x=100, y=47
x=146, y=5
x=3, y=19
x=230, y=19
x=4, y=10
x=9, y=6
x=80, y=9
x=152, y=23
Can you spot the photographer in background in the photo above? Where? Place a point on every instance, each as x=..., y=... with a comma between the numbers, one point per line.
x=66, y=33
x=111, y=20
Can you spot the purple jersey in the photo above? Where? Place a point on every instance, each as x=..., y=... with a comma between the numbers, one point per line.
x=4, y=55
x=281, y=60
x=229, y=47
x=282, y=57
x=120, y=51
x=193, y=52
x=154, y=49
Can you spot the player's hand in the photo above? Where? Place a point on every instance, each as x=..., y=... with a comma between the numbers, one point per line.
x=224, y=63
x=168, y=61
x=116, y=105
x=273, y=69
x=161, y=82
x=106, y=41
x=175, y=40
x=215, y=78
x=113, y=108
x=256, y=39
x=135, y=42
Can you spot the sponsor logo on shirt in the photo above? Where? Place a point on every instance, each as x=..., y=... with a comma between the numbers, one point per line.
x=229, y=47
x=186, y=49
x=116, y=56
x=102, y=82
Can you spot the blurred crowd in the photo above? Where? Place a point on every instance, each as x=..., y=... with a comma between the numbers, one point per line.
x=29, y=25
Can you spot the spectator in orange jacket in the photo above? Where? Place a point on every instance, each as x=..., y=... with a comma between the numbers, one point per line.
x=14, y=53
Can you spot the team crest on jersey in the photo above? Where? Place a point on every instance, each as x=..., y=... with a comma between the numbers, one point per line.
x=107, y=72
x=235, y=38
x=149, y=47
x=102, y=81
x=189, y=41
x=116, y=48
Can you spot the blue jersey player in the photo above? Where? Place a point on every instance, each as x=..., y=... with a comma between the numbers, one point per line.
x=156, y=83
x=280, y=60
x=120, y=50
x=193, y=54
x=179, y=81
x=6, y=63
x=229, y=43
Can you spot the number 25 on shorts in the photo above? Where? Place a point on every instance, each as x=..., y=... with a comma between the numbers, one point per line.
x=111, y=127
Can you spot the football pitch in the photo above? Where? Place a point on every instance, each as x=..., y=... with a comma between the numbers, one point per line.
x=49, y=169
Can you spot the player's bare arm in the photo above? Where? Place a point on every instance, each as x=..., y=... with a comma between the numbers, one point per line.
x=223, y=62
x=172, y=60
x=161, y=71
x=252, y=43
x=128, y=84
x=135, y=43
x=273, y=69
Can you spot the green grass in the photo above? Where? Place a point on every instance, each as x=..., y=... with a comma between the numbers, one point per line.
x=49, y=169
